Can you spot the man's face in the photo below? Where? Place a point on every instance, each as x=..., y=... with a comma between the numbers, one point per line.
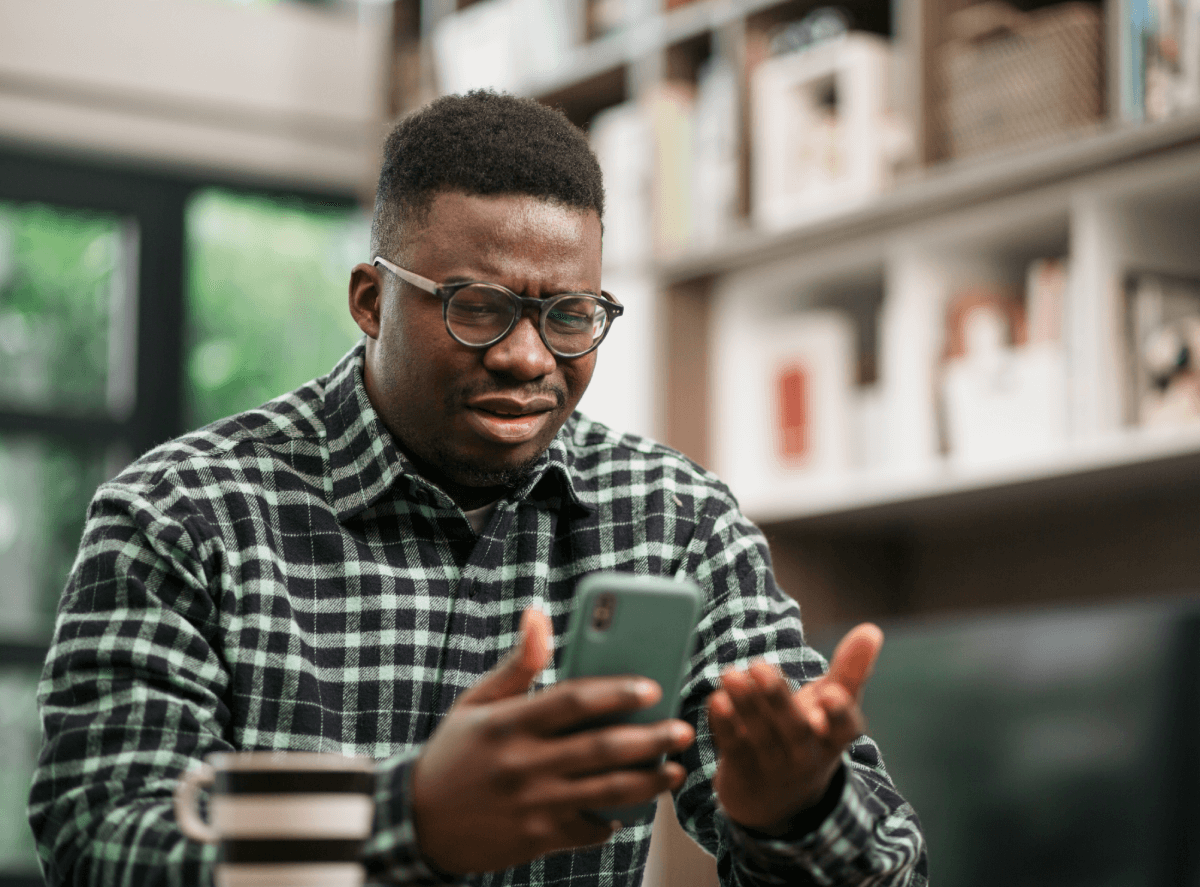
x=475, y=419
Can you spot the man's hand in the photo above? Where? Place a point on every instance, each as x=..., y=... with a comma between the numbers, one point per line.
x=779, y=750
x=501, y=781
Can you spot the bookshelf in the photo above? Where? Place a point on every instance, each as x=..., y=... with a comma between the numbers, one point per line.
x=905, y=524
x=1065, y=501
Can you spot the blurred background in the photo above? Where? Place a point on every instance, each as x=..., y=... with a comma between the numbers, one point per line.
x=919, y=278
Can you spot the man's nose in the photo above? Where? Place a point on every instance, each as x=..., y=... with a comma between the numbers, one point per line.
x=521, y=354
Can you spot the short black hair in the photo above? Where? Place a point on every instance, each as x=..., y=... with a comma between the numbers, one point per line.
x=480, y=143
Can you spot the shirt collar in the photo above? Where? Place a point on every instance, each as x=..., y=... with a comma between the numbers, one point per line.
x=365, y=463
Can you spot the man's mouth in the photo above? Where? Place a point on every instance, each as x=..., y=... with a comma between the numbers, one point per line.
x=510, y=420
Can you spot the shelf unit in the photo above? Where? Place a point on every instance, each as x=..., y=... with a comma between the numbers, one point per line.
x=1103, y=515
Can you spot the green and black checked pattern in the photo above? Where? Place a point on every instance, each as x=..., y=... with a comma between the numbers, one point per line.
x=284, y=580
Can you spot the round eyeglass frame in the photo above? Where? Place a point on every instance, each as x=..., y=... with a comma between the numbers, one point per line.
x=612, y=308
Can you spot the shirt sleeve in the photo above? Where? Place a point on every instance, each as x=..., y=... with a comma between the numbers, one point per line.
x=135, y=691
x=871, y=834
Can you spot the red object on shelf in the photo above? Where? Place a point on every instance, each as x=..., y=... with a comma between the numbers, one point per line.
x=792, y=393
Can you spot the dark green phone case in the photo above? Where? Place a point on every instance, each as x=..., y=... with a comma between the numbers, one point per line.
x=650, y=632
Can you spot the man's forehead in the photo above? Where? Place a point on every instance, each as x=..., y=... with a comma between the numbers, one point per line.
x=502, y=218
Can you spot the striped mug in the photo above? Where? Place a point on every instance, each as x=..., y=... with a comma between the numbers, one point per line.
x=281, y=819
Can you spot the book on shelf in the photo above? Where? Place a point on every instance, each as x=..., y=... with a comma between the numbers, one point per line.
x=1172, y=58
x=1045, y=299
x=670, y=107
x=621, y=137
x=1159, y=58
x=1163, y=350
x=714, y=187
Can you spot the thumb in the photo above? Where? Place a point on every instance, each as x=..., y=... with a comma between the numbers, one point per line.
x=854, y=658
x=513, y=674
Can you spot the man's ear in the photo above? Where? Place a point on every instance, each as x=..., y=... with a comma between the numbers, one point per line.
x=366, y=296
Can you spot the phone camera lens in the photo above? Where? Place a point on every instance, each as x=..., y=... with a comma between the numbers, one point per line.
x=602, y=611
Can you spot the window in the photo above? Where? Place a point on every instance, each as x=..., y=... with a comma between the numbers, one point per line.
x=265, y=271
x=132, y=307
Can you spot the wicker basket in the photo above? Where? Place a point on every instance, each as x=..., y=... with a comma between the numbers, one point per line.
x=1011, y=77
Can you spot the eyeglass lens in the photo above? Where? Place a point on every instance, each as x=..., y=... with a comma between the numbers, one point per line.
x=479, y=315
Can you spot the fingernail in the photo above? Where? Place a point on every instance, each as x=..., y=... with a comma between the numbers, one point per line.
x=645, y=690
x=680, y=732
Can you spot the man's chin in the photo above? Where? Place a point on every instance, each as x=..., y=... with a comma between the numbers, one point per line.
x=484, y=478
x=475, y=474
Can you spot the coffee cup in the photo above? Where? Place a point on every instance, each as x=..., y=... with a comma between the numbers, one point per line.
x=281, y=819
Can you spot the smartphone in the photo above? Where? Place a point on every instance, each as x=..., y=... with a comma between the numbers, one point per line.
x=624, y=624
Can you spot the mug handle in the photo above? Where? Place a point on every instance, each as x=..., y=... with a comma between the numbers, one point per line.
x=186, y=807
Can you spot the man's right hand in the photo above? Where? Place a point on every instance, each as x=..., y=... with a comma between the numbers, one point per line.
x=501, y=781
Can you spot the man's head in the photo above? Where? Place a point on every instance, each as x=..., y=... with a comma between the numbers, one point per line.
x=482, y=143
x=485, y=188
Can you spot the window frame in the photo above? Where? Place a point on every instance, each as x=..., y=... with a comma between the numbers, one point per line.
x=157, y=202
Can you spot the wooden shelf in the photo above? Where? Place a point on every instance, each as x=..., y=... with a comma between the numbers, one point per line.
x=1114, y=469
x=637, y=40
x=947, y=188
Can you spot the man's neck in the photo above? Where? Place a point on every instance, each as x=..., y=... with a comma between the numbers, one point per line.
x=465, y=497
x=470, y=498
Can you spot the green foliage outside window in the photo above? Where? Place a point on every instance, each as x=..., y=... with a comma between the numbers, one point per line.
x=20, y=737
x=45, y=487
x=267, y=285
x=63, y=294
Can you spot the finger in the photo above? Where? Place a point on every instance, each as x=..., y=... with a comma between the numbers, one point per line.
x=854, y=659
x=618, y=788
x=563, y=829
x=776, y=697
x=846, y=721
x=728, y=733
x=574, y=704
x=807, y=703
x=754, y=711
x=514, y=674
x=796, y=715
x=581, y=828
x=612, y=748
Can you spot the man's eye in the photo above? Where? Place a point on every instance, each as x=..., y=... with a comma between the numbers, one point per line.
x=475, y=310
x=476, y=307
x=572, y=319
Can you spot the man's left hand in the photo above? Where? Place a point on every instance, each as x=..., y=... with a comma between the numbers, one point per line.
x=780, y=750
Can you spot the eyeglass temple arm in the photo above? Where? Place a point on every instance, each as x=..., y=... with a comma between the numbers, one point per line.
x=407, y=276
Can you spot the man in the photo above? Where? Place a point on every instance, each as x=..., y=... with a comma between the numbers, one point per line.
x=383, y=562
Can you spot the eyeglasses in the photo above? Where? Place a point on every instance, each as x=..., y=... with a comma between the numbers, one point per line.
x=481, y=314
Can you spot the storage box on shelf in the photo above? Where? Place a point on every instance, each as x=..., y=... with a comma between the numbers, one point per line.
x=825, y=137
x=1010, y=77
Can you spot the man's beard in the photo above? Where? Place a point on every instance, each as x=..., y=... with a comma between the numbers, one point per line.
x=466, y=475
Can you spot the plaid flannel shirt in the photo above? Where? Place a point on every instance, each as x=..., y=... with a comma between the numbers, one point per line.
x=283, y=579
